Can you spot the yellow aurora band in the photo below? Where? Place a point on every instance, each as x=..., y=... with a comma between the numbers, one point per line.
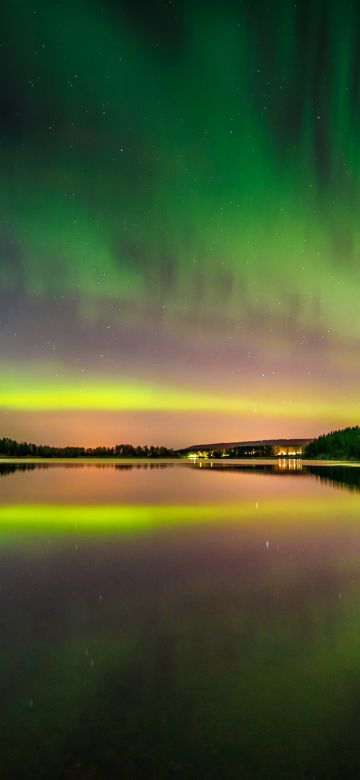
x=20, y=391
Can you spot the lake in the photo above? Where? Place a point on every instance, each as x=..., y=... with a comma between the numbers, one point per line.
x=179, y=620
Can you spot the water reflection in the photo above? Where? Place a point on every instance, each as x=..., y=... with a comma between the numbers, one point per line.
x=347, y=477
x=105, y=483
x=204, y=639
x=11, y=468
x=336, y=475
x=342, y=475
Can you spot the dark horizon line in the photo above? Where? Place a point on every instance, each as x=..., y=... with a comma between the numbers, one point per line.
x=7, y=444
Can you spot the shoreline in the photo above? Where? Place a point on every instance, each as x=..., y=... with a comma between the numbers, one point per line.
x=176, y=460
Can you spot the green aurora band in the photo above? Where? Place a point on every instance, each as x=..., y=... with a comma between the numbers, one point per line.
x=196, y=178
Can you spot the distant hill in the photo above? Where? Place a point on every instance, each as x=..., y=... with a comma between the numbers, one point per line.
x=337, y=445
x=259, y=447
x=256, y=443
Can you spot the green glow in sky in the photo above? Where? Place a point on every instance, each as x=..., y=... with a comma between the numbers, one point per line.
x=180, y=207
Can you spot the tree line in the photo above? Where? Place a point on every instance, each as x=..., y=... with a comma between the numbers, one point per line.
x=338, y=445
x=11, y=448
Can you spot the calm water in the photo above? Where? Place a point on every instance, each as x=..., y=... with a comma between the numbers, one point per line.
x=172, y=621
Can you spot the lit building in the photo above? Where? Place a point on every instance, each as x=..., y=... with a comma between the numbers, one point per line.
x=265, y=448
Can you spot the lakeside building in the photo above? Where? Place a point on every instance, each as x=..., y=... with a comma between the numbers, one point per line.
x=265, y=448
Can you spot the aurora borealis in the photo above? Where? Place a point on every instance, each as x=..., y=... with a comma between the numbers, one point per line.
x=180, y=234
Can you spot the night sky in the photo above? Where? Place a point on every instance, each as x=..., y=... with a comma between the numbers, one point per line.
x=180, y=220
